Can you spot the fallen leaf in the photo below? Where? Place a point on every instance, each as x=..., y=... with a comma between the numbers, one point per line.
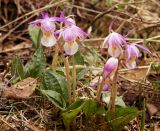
x=21, y=90
x=152, y=109
x=136, y=74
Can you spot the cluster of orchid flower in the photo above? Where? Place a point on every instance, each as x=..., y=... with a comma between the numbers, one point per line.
x=70, y=32
x=118, y=47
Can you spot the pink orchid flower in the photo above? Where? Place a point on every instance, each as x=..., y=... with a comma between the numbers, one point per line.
x=106, y=87
x=71, y=35
x=114, y=42
x=47, y=25
x=110, y=68
x=132, y=53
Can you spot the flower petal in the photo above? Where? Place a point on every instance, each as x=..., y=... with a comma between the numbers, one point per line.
x=70, y=48
x=48, y=25
x=105, y=42
x=45, y=15
x=132, y=51
x=144, y=48
x=110, y=66
x=106, y=87
x=36, y=22
x=71, y=33
x=114, y=50
x=131, y=64
x=48, y=40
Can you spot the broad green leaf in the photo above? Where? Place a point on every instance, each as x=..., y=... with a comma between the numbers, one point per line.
x=123, y=116
x=79, y=58
x=82, y=73
x=76, y=104
x=17, y=69
x=51, y=80
x=35, y=34
x=90, y=108
x=69, y=116
x=36, y=65
x=119, y=101
x=56, y=98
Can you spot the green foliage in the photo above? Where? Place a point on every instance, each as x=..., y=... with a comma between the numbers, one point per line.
x=82, y=73
x=36, y=65
x=88, y=106
x=91, y=108
x=56, y=98
x=79, y=58
x=35, y=34
x=92, y=57
x=143, y=118
x=122, y=117
x=75, y=105
x=17, y=69
x=70, y=115
x=119, y=101
x=51, y=80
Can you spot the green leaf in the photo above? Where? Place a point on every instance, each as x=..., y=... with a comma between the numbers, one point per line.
x=123, y=117
x=51, y=80
x=56, y=98
x=79, y=58
x=82, y=73
x=90, y=108
x=35, y=34
x=36, y=65
x=76, y=104
x=70, y=115
x=119, y=101
x=17, y=69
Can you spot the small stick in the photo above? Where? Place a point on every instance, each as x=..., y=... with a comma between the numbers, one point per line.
x=8, y=124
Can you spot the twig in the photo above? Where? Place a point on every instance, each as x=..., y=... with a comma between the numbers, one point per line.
x=34, y=11
x=1, y=119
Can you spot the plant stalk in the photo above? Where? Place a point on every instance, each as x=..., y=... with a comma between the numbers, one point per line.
x=54, y=60
x=111, y=106
x=74, y=78
x=66, y=64
x=100, y=87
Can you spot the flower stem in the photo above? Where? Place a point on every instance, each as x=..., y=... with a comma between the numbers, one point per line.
x=111, y=107
x=74, y=78
x=66, y=64
x=100, y=87
x=54, y=60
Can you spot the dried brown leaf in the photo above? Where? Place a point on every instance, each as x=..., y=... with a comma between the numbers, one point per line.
x=152, y=109
x=21, y=90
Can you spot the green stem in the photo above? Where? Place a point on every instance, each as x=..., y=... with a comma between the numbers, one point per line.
x=66, y=64
x=143, y=116
x=74, y=78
